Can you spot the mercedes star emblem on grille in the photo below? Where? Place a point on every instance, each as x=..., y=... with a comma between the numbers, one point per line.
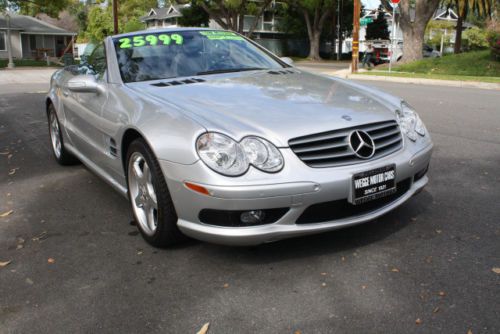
x=362, y=144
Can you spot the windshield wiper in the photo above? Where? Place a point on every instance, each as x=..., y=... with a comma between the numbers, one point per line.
x=229, y=70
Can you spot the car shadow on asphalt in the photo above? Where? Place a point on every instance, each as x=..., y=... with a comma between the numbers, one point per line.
x=337, y=241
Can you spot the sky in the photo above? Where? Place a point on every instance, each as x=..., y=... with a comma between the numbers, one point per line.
x=371, y=3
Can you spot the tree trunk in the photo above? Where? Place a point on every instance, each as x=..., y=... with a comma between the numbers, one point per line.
x=462, y=14
x=314, y=42
x=413, y=25
x=413, y=50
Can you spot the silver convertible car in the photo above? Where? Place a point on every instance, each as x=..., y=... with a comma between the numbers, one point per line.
x=212, y=136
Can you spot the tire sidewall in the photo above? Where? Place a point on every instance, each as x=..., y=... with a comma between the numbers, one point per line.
x=167, y=217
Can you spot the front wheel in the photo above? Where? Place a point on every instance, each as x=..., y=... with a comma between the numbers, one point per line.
x=149, y=197
x=62, y=156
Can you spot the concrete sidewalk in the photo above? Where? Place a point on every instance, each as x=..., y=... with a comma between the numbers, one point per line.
x=346, y=74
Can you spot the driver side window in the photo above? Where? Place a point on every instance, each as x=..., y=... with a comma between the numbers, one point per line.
x=97, y=62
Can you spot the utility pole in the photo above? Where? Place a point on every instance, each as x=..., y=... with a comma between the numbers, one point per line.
x=115, y=16
x=9, y=43
x=355, y=36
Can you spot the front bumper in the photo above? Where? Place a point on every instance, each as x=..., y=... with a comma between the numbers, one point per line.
x=296, y=187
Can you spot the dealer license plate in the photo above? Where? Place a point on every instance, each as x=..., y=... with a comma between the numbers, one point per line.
x=373, y=184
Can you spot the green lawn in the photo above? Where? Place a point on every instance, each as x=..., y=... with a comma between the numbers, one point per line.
x=25, y=62
x=468, y=66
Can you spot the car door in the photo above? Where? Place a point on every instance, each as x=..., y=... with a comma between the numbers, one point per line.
x=84, y=110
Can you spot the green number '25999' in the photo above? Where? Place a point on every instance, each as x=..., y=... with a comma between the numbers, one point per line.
x=147, y=40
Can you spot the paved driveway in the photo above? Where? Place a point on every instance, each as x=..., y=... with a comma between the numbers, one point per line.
x=78, y=266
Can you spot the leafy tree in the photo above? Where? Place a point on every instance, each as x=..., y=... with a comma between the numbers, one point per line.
x=480, y=8
x=33, y=7
x=227, y=13
x=100, y=23
x=315, y=13
x=194, y=16
x=378, y=29
x=413, y=18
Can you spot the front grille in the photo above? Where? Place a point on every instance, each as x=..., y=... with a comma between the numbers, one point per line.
x=334, y=210
x=329, y=149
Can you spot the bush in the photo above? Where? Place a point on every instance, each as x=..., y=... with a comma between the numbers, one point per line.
x=493, y=37
x=475, y=39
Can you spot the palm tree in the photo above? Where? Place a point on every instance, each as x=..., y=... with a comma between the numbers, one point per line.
x=464, y=7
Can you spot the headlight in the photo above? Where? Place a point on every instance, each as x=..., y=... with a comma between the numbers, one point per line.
x=262, y=154
x=410, y=123
x=222, y=154
x=228, y=157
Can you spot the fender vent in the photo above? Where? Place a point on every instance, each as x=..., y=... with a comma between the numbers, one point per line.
x=112, y=148
x=177, y=82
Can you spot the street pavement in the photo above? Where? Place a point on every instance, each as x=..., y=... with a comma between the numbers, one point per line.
x=79, y=266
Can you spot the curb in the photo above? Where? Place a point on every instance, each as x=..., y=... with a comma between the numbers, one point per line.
x=419, y=81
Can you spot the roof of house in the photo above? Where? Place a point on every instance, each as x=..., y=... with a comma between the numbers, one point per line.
x=32, y=25
x=164, y=12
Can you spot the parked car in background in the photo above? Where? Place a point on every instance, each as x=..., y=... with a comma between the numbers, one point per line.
x=211, y=136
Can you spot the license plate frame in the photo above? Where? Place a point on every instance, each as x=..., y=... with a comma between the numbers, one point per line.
x=373, y=184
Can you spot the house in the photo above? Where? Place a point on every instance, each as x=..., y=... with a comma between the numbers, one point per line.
x=267, y=24
x=163, y=17
x=32, y=38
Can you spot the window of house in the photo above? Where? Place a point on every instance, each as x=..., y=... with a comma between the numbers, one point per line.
x=3, y=40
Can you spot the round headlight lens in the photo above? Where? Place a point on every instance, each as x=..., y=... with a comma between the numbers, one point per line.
x=262, y=154
x=222, y=154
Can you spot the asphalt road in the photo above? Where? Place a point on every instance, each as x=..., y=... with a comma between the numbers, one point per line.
x=78, y=266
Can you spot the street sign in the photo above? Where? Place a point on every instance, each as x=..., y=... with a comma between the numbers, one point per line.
x=395, y=2
x=366, y=20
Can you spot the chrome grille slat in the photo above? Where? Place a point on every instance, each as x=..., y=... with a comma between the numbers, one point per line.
x=389, y=142
x=385, y=134
x=328, y=156
x=331, y=148
x=325, y=147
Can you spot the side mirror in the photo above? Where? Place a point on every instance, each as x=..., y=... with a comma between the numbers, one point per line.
x=85, y=84
x=287, y=60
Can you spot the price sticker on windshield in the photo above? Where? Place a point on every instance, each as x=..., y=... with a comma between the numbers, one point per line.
x=150, y=40
x=221, y=35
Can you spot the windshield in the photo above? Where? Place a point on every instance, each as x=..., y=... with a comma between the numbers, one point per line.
x=162, y=55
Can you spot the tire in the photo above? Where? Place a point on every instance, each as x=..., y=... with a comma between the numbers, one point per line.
x=63, y=157
x=149, y=197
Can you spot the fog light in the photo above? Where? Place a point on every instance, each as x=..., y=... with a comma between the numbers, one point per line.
x=252, y=217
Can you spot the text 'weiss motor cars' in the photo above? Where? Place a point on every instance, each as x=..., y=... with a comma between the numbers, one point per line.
x=212, y=136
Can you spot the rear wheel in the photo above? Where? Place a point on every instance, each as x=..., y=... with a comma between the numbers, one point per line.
x=149, y=197
x=62, y=156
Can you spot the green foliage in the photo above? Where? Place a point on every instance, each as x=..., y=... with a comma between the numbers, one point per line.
x=378, y=29
x=33, y=7
x=194, y=16
x=132, y=25
x=100, y=23
x=475, y=38
x=474, y=63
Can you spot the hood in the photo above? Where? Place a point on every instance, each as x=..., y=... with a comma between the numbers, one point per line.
x=276, y=105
